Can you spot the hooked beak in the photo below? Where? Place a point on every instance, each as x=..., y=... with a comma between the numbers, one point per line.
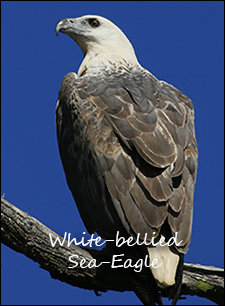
x=68, y=26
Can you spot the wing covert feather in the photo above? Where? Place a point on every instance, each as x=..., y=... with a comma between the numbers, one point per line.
x=143, y=154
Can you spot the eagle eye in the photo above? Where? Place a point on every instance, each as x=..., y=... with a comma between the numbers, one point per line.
x=94, y=23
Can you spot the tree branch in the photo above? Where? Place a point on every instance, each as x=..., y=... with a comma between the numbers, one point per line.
x=27, y=235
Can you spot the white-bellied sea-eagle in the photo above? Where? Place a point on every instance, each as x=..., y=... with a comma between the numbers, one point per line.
x=128, y=149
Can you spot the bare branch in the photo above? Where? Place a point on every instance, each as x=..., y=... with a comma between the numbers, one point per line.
x=27, y=235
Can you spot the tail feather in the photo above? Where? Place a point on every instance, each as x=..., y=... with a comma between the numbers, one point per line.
x=144, y=283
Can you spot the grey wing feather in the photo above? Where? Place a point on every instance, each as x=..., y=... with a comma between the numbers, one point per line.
x=134, y=144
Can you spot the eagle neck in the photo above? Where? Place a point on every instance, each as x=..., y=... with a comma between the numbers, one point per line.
x=94, y=61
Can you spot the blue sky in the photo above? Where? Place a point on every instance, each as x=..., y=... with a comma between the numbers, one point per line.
x=179, y=42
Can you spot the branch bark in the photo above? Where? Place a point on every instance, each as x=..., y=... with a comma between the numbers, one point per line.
x=27, y=235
